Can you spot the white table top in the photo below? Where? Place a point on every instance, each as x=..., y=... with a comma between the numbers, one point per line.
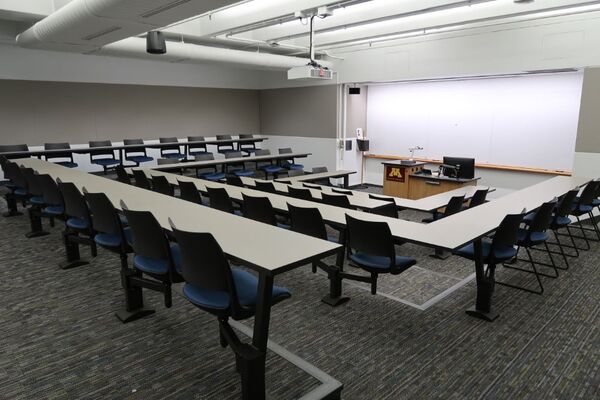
x=317, y=176
x=260, y=246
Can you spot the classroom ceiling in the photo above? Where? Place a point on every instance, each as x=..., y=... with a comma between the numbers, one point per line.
x=261, y=27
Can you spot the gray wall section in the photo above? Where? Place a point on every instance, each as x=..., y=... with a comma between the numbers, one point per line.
x=588, y=132
x=305, y=111
x=35, y=112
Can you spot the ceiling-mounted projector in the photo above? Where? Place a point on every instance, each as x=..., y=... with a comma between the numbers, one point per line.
x=310, y=71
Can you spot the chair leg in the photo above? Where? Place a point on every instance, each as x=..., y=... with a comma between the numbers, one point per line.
x=314, y=267
x=594, y=225
x=562, y=250
x=587, y=242
x=373, y=283
x=534, y=271
x=553, y=264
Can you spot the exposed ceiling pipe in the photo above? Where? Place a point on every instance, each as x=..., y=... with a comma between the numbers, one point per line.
x=191, y=53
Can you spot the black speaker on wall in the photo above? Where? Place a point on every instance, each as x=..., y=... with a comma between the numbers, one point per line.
x=362, y=144
x=354, y=90
x=155, y=43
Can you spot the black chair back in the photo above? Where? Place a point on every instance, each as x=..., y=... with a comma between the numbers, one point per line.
x=122, y=175
x=506, y=234
x=14, y=173
x=265, y=186
x=7, y=148
x=262, y=152
x=563, y=208
x=102, y=152
x=75, y=205
x=189, y=192
x=161, y=185
x=105, y=218
x=246, y=136
x=337, y=200
x=311, y=186
x=259, y=209
x=589, y=193
x=387, y=210
x=134, y=150
x=307, y=221
x=298, y=193
x=34, y=184
x=478, y=197
x=318, y=170
x=234, y=181
x=295, y=172
x=167, y=149
x=543, y=217
x=52, y=195
x=380, y=198
x=148, y=237
x=373, y=238
x=234, y=154
x=224, y=147
x=196, y=147
x=454, y=205
x=286, y=150
x=58, y=146
x=219, y=199
x=204, y=157
x=342, y=191
x=141, y=180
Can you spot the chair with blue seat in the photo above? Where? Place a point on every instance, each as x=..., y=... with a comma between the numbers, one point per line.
x=173, y=151
x=239, y=168
x=213, y=286
x=104, y=157
x=290, y=163
x=225, y=147
x=234, y=181
x=295, y=172
x=36, y=200
x=9, y=148
x=342, y=191
x=17, y=186
x=337, y=200
x=455, y=205
x=497, y=250
x=156, y=261
x=260, y=209
x=528, y=238
x=209, y=173
x=324, y=181
x=267, y=166
x=478, y=198
x=561, y=220
x=189, y=192
x=371, y=248
x=160, y=184
x=54, y=204
x=300, y=193
x=247, y=147
x=263, y=186
x=584, y=205
x=137, y=154
x=219, y=200
x=66, y=158
x=141, y=179
x=78, y=225
x=196, y=149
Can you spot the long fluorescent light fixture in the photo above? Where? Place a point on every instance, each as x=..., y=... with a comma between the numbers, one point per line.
x=517, y=17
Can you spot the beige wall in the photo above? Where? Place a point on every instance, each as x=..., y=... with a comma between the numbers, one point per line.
x=36, y=112
x=588, y=132
x=356, y=112
x=305, y=111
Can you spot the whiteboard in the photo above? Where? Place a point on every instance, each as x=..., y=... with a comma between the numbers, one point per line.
x=525, y=121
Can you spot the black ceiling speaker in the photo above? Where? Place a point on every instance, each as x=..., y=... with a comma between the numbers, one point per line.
x=354, y=90
x=155, y=43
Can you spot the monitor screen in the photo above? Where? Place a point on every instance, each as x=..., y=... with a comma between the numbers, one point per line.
x=467, y=166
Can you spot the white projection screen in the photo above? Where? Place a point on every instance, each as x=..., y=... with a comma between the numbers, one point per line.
x=525, y=121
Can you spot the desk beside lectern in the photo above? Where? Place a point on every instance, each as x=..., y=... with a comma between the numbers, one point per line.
x=407, y=180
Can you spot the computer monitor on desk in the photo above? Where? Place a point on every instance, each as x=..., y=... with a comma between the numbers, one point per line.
x=465, y=170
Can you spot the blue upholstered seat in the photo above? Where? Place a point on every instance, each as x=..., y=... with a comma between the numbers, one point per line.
x=78, y=223
x=174, y=155
x=284, y=226
x=198, y=152
x=54, y=210
x=596, y=202
x=158, y=266
x=20, y=192
x=272, y=169
x=112, y=240
x=214, y=176
x=105, y=162
x=582, y=208
x=38, y=200
x=289, y=165
x=123, y=220
x=560, y=222
x=246, y=286
x=243, y=172
x=529, y=218
x=500, y=253
x=380, y=262
x=524, y=236
x=333, y=239
x=68, y=164
x=139, y=159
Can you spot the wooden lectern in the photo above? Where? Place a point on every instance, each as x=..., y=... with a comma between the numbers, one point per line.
x=396, y=177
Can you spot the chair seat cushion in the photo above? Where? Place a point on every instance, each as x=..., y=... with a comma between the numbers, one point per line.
x=596, y=202
x=173, y=155
x=284, y=226
x=54, y=210
x=582, y=208
x=158, y=266
x=38, y=200
x=139, y=159
x=529, y=218
x=246, y=286
x=106, y=162
x=560, y=221
x=111, y=239
x=198, y=152
x=78, y=223
x=381, y=263
x=293, y=166
x=216, y=176
x=500, y=253
x=271, y=169
x=526, y=237
x=243, y=172
x=68, y=164
x=20, y=192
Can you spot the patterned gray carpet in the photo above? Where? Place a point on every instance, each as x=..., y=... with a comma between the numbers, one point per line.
x=59, y=338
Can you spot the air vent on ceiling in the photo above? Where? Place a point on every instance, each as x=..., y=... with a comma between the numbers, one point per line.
x=101, y=33
x=163, y=8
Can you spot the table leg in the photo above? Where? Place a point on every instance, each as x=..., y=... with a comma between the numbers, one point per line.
x=485, y=288
x=346, y=181
x=72, y=250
